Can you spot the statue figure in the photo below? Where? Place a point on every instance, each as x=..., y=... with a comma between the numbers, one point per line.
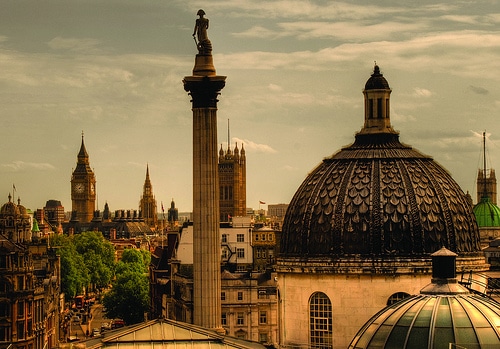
x=200, y=30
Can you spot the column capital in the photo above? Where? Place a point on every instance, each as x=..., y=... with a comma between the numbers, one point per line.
x=204, y=89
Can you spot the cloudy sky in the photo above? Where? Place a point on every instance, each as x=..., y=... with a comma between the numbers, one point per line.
x=295, y=73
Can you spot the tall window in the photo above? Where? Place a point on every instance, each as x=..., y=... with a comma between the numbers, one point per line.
x=240, y=252
x=20, y=329
x=263, y=317
x=224, y=319
x=224, y=238
x=240, y=320
x=20, y=309
x=240, y=296
x=240, y=237
x=320, y=321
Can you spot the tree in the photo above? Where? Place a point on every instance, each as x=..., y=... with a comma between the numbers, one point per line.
x=128, y=298
x=134, y=259
x=99, y=256
x=74, y=276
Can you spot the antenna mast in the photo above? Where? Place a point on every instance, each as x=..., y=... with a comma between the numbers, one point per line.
x=485, y=191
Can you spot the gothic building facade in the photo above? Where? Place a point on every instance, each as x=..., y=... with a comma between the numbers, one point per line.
x=83, y=194
x=232, y=183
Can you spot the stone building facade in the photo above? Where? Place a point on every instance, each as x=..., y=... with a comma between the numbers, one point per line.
x=29, y=282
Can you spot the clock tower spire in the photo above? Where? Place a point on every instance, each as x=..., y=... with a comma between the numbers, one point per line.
x=83, y=181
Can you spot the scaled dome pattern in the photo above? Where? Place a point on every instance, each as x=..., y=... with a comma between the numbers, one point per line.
x=378, y=197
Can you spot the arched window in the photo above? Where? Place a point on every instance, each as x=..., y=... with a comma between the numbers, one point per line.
x=396, y=297
x=320, y=321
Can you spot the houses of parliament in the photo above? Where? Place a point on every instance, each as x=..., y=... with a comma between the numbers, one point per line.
x=130, y=223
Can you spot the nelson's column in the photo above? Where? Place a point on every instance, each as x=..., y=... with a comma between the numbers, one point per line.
x=204, y=86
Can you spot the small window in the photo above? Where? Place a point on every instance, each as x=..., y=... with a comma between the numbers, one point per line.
x=240, y=252
x=223, y=319
x=240, y=238
x=240, y=296
x=4, y=333
x=20, y=329
x=223, y=296
x=224, y=238
x=240, y=320
x=396, y=297
x=263, y=337
x=271, y=237
x=3, y=262
x=4, y=309
x=263, y=317
x=263, y=237
x=20, y=309
x=256, y=237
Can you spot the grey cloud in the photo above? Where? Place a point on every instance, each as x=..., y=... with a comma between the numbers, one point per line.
x=479, y=90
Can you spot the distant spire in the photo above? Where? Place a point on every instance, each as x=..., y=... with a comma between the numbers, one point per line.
x=82, y=154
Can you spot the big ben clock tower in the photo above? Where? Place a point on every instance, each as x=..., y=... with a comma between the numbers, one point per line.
x=83, y=187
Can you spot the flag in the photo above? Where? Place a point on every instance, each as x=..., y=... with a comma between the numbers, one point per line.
x=162, y=209
x=262, y=203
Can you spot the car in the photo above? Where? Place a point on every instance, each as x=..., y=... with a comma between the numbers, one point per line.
x=95, y=332
x=76, y=319
x=105, y=326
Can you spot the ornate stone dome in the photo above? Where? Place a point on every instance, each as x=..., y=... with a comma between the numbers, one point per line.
x=378, y=198
x=9, y=208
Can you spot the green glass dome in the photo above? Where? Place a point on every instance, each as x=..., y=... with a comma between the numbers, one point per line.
x=487, y=213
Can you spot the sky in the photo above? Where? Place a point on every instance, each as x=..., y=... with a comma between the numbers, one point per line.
x=295, y=73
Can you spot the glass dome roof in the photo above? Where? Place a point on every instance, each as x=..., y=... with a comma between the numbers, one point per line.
x=430, y=321
x=445, y=315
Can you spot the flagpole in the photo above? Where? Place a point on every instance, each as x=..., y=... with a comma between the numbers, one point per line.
x=163, y=225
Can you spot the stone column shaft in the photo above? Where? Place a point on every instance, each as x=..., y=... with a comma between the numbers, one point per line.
x=206, y=237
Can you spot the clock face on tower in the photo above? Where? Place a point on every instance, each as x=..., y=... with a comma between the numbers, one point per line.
x=79, y=187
